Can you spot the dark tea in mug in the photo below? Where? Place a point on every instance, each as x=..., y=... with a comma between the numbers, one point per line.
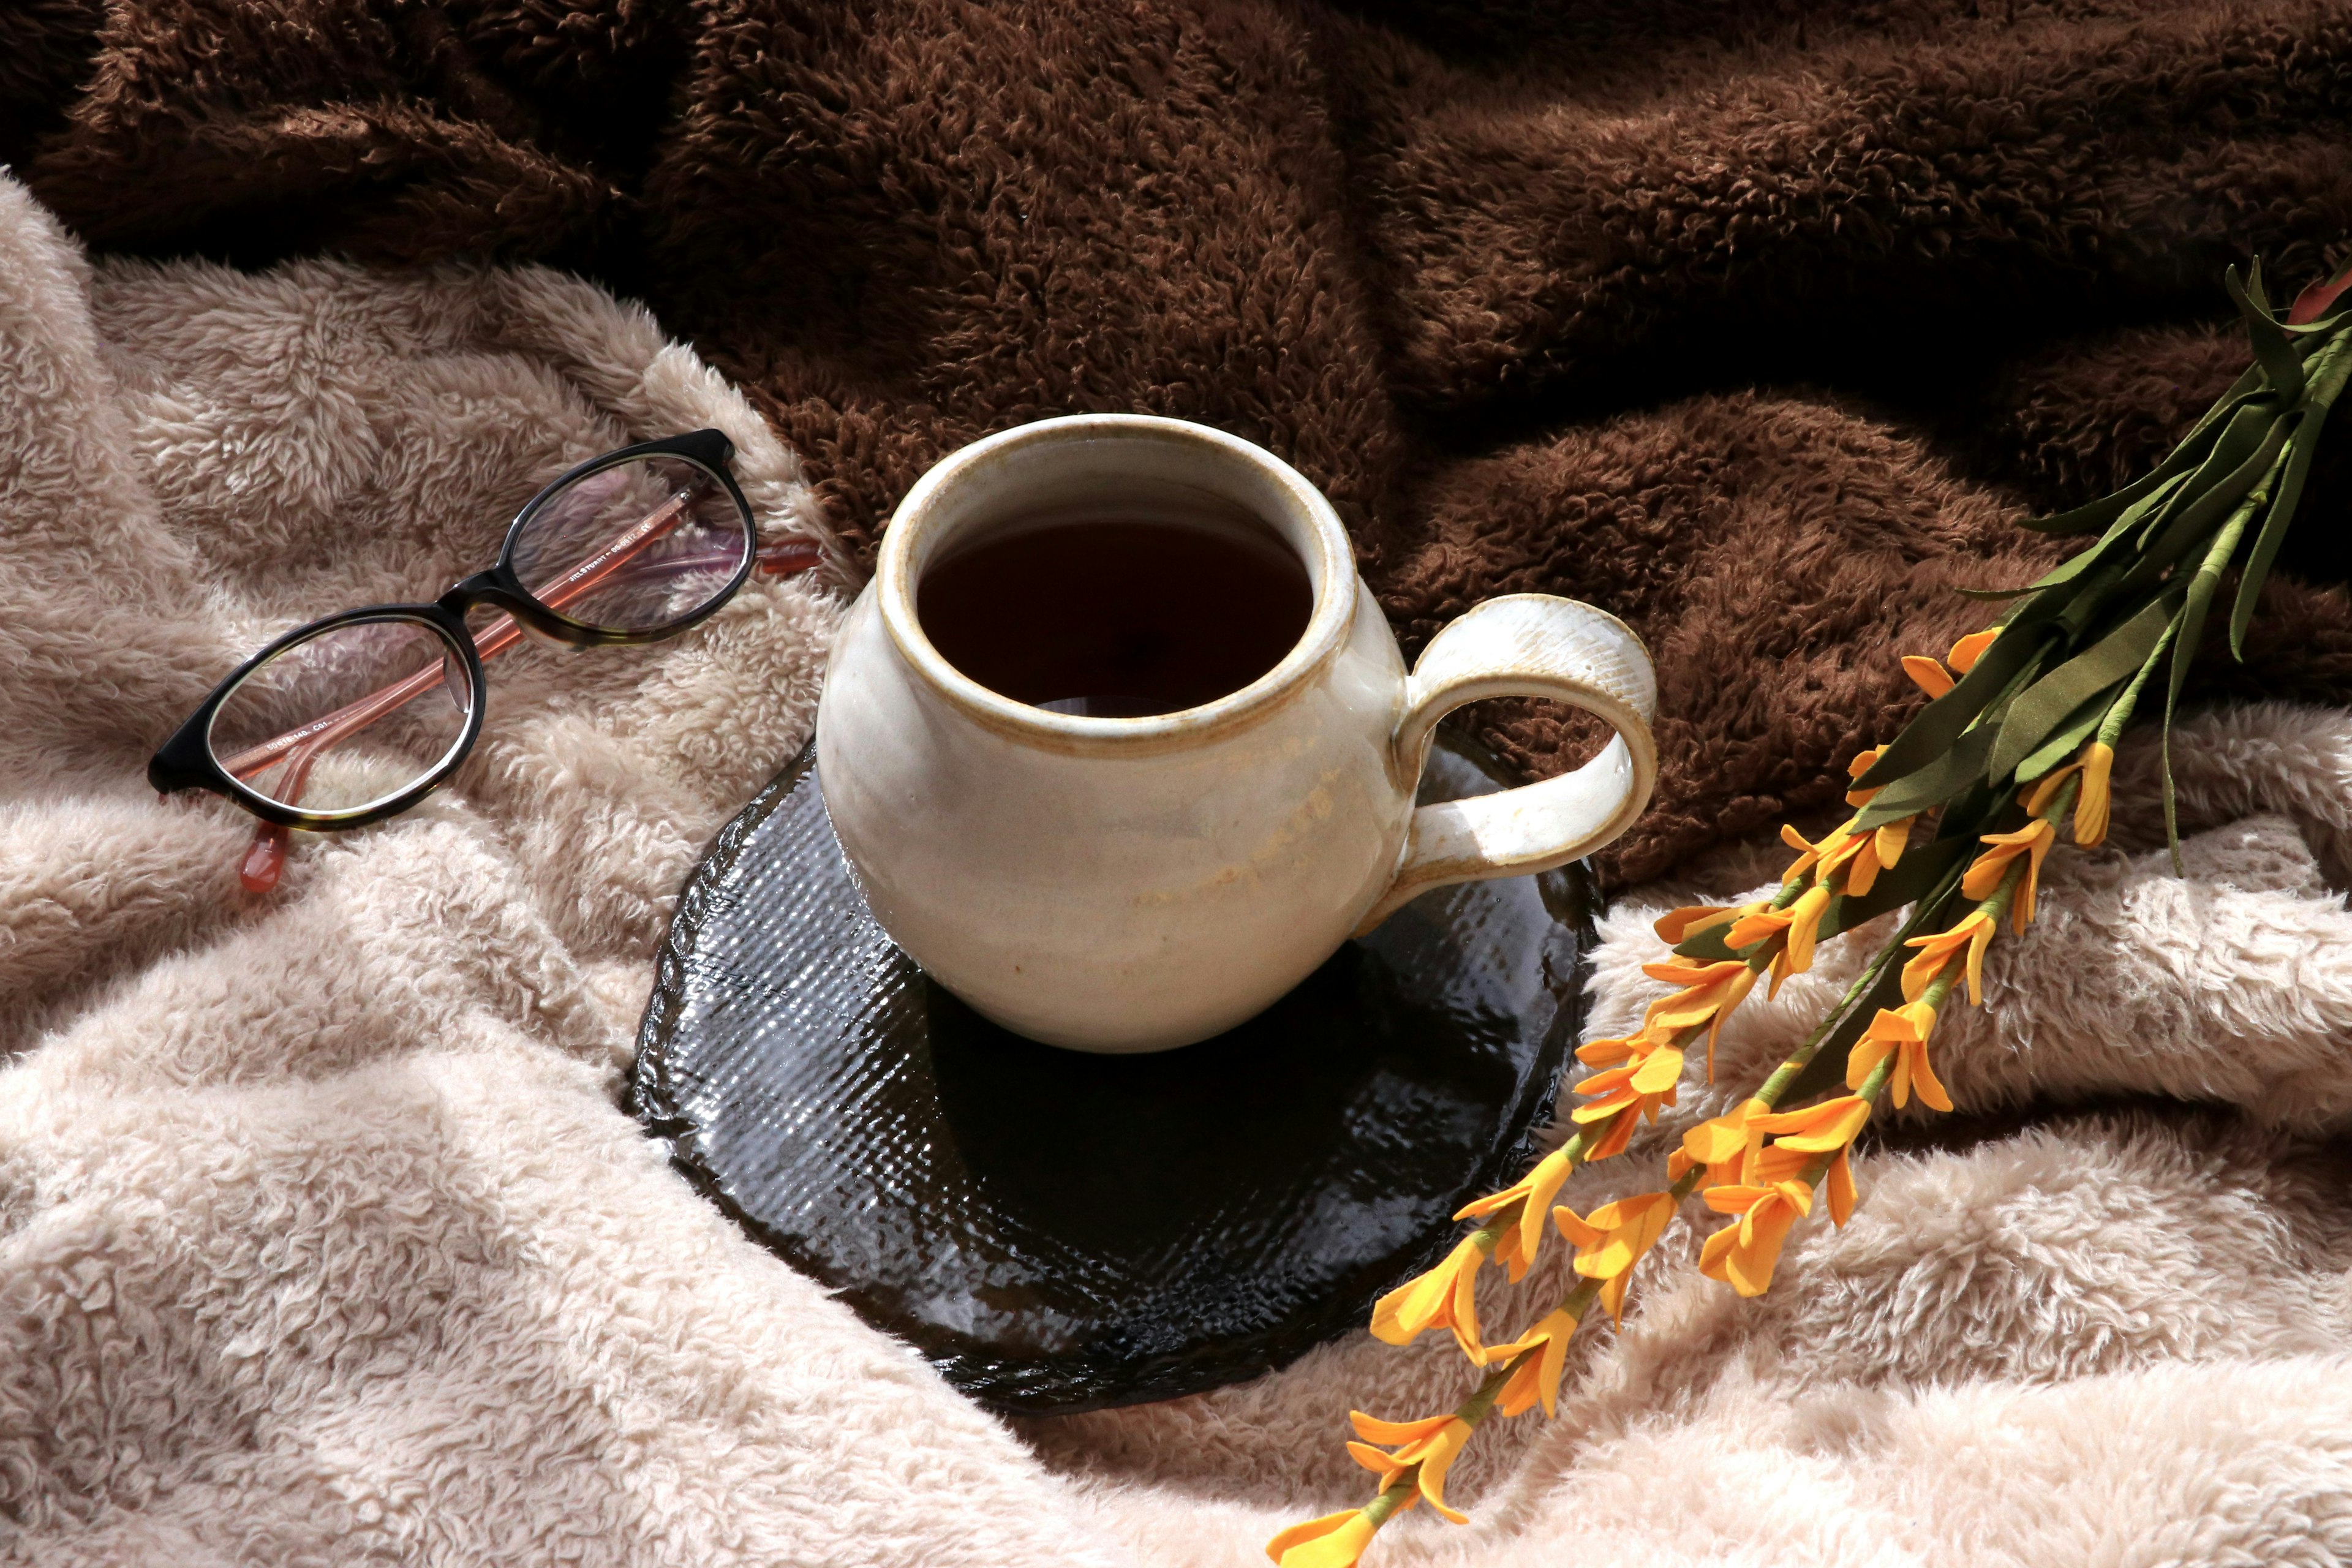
x=1118, y=611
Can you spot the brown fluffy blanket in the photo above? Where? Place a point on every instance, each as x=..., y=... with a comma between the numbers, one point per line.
x=1752, y=321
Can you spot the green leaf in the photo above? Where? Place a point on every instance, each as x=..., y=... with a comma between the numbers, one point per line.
x=2049, y=701
x=2185, y=456
x=1939, y=724
x=2256, y=292
x=2184, y=648
x=2282, y=367
x=2068, y=738
x=2082, y=560
x=2238, y=440
x=1826, y=1071
x=2334, y=368
x=2321, y=326
x=2261, y=432
x=2266, y=542
x=1935, y=784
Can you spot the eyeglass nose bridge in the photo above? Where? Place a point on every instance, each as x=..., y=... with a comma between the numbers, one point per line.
x=500, y=589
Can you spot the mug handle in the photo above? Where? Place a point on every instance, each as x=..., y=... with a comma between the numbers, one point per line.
x=1526, y=645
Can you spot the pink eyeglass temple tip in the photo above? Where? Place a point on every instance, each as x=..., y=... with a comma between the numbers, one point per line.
x=265, y=858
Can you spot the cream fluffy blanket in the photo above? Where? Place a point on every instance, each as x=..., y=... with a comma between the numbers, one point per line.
x=323, y=1239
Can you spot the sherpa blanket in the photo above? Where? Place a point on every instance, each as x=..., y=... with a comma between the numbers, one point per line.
x=320, y=1237
x=324, y=1240
x=1617, y=300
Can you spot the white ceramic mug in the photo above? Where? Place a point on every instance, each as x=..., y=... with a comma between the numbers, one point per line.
x=1134, y=884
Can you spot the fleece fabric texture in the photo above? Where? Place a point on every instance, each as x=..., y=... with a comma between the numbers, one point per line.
x=1753, y=322
x=324, y=1241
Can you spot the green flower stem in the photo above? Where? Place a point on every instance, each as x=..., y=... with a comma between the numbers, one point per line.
x=1770, y=1091
x=1473, y=1411
x=1393, y=1496
x=2190, y=623
x=2111, y=728
x=1579, y=1299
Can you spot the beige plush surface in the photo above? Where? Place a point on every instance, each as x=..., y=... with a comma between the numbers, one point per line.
x=323, y=1239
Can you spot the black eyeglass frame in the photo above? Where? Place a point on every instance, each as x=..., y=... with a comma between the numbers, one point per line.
x=186, y=760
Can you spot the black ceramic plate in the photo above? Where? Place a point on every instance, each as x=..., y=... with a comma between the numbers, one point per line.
x=1061, y=1232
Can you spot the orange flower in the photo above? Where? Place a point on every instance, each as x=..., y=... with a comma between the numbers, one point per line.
x=1612, y=1240
x=1848, y=859
x=1724, y=1145
x=1335, y=1541
x=1709, y=992
x=1647, y=1064
x=1629, y=1092
x=1516, y=1249
x=1638, y=1048
x=1838, y=1181
x=1676, y=926
x=1974, y=933
x=1903, y=1033
x=2091, y=806
x=1446, y=1296
x=2035, y=797
x=1798, y=1136
x=1744, y=1255
x=1971, y=648
x=1815, y=1130
x=1780, y=1164
x=1430, y=1443
x=1855, y=769
x=1609, y=1053
x=1886, y=847
x=2032, y=841
x=1809, y=855
x=1799, y=921
x=1930, y=675
x=1538, y=1378
x=1614, y=1138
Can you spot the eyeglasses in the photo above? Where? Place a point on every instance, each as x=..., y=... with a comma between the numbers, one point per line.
x=357, y=717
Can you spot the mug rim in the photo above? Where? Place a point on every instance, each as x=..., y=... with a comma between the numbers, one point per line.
x=1328, y=622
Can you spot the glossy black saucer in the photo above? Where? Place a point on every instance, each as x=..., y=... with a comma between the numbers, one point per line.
x=1060, y=1232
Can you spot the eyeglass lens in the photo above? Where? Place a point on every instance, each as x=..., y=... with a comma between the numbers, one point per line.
x=635, y=547
x=348, y=718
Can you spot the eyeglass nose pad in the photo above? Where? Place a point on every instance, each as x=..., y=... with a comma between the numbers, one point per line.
x=265, y=858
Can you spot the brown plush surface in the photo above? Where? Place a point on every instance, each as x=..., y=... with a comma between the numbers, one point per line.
x=1754, y=322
